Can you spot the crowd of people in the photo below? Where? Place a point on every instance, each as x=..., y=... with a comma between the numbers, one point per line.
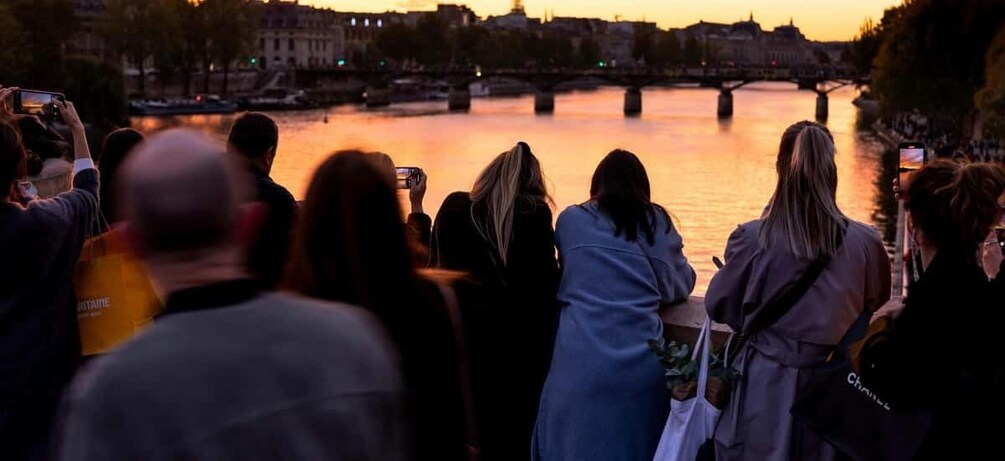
x=913, y=126
x=341, y=328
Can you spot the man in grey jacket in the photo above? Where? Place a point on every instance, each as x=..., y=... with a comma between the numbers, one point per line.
x=227, y=372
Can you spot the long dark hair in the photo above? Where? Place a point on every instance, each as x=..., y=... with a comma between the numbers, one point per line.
x=955, y=205
x=621, y=189
x=351, y=245
x=117, y=145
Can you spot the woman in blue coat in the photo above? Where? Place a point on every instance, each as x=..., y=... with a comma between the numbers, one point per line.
x=605, y=397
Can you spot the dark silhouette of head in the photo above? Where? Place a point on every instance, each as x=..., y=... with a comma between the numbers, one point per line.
x=255, y=136
x=117, y=145
x=621, y=189
x=351, y=245
x=955, y=206
x=12, y=160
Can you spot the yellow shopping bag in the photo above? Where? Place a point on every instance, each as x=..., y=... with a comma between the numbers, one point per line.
x=115, y=298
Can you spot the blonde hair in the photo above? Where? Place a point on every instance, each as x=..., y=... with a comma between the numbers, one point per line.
x=804, y=216
x=511, y=176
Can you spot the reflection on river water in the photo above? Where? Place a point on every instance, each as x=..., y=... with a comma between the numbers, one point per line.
x=710, y=174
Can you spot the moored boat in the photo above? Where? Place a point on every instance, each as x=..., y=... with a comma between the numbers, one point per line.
x=201, y=104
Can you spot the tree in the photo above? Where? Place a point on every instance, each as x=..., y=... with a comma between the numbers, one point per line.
x=195, y=50
x=232, y=27
x=990, y=100
x=125, y=26
x=643, y=44
x=167, y=39
x=668, y=52
x=466, y=43
x=550, y=50
x=588, y=54
x=692, y=51
x=865, y=47
x=432, y=32
x=398, y=42
x=46, y=26
x=13, y=59
x=933, y=58
x=98, y=90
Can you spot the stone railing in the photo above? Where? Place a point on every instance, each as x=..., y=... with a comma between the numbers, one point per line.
x=683, y=321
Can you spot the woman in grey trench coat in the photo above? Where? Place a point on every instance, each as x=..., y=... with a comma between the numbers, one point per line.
x=762, y=257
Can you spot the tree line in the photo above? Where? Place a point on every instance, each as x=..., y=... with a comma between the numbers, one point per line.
x=944, y=58
x=179, y=36
x=431, y=42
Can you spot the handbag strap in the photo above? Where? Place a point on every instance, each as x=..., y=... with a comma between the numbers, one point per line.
x=785, y=300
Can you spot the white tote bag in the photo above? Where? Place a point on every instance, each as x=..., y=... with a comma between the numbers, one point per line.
x=691, y=422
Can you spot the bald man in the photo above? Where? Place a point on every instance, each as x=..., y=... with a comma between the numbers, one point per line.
x=227, y=372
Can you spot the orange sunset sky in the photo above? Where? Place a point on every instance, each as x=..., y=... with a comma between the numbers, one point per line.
x=818, y=19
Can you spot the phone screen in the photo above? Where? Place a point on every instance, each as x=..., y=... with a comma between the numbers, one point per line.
x=37, y=102
x=912, y=157
x=407, y=177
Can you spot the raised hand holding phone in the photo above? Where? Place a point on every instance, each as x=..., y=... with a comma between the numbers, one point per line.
x=69, y=114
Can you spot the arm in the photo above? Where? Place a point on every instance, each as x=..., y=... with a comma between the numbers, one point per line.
x=80, y=205
x=679, y=282
x=724, y=300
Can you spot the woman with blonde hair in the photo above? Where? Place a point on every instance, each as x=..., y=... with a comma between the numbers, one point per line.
x=802, y=239
x=500, y=234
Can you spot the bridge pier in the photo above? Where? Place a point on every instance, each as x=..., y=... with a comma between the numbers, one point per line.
x=725, y=103
x=459, y=99
x=822, y=106
x=633, y=101
x=378, y=97
x=544, y=102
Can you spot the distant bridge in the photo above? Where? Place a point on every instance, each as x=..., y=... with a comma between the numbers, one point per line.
x=726, y=79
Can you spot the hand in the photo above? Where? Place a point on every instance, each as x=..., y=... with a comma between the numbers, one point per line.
x=891, y=309
x=418, y=192
x=69, y=114
x=991, y=255
x=7, y=102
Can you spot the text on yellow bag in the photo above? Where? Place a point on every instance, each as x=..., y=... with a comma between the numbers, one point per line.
x=115, y=298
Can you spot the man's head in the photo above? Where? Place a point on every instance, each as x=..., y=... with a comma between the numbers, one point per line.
x=182, y=198
x=255, y=136
x=12, y=160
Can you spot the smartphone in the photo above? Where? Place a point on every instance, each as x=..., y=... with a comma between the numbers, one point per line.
x=38, y=103
x=912, y=157
x=408, y=177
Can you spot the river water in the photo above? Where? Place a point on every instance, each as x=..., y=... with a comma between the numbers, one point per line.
x=710, y=174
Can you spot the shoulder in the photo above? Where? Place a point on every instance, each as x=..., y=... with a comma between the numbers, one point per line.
x=576, y=214
x=273, y=192
x=864, y=232
x=748, y=231
x=335, y=322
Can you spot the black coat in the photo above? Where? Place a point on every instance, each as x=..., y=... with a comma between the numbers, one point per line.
x=940, y=355
x=510, y=316
x=267, y=255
